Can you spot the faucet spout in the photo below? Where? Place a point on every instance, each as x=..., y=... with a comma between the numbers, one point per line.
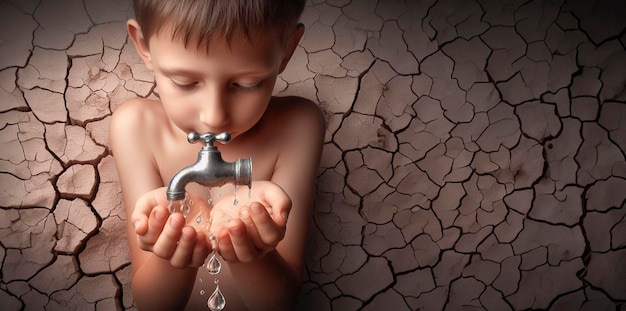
x=210, y=169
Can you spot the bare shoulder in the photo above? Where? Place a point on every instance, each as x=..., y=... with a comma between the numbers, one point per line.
x=136, y=111
x=294, y=104
x=299, y=127
x=297, y=113
x=133, y=118
x=133, y=130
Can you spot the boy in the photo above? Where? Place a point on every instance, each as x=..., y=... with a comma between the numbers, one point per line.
x=215, y=64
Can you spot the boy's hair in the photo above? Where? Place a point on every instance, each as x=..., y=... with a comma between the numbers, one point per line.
x=202, y=20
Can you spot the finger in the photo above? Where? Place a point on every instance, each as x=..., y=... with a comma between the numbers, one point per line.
x=155, y=224
x=140, y=225
x=279, y=201
x=141, y=212
x=143, y=206
x=184, y=250
x=280, y=212
x=201, y=250
x=225, y=246
x=253, y=232
x=167, y=241
x=269, y=232
x=242, y=245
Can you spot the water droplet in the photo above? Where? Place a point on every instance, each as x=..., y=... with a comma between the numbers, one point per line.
x=184, y=208
x=202, y=292
x=213, y=265
x=199, y=218
x=180, y=206
x=235, y=202
x=216, y=301
x=213, y=240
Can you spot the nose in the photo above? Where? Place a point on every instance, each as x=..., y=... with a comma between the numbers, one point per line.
x=214, y=109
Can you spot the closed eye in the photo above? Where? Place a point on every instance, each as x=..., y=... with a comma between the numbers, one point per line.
x=247, y=87
x=185, y=86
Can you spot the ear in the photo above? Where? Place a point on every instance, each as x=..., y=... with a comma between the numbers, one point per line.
x=291, y=46
x=141, y=44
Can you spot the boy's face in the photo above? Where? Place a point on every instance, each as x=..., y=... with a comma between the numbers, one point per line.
x=226, y=89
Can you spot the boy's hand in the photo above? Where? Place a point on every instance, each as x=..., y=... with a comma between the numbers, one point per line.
x=247, y=233
x=165, y=235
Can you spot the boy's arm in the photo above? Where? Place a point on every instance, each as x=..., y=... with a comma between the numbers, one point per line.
x=151, y=276
x=273, y=282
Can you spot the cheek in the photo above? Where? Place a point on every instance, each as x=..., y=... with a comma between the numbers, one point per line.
x=249, y=110
x=181, y=118
x=180, y=113
x=173, y=103
x=257, y=103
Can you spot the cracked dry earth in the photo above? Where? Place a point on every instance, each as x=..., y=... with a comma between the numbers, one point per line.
x=474, y=157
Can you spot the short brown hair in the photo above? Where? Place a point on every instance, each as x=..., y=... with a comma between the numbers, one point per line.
x=202, y=20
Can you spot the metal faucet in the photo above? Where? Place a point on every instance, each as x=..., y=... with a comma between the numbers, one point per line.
x=210, y=170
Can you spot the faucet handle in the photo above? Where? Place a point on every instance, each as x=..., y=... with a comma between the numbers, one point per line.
x=209, y=138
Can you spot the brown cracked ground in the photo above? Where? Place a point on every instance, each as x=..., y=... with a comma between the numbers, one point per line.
x=474, y=157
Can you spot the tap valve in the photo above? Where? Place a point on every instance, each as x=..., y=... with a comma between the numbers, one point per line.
x=208, y=138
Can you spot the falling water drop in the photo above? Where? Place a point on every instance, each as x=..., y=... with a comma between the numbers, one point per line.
x=213, y=265
x=184, y=208
x=216, y=301
x=235, y=202
x=171, y=208
x=180, y=206
x=213, y=240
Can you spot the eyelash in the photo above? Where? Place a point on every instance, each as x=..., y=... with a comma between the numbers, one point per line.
x=191, y=86
x=247, y=88
x=183, y=87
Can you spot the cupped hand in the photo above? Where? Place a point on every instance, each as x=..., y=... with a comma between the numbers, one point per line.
x=170, y=237
x=247, y=232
